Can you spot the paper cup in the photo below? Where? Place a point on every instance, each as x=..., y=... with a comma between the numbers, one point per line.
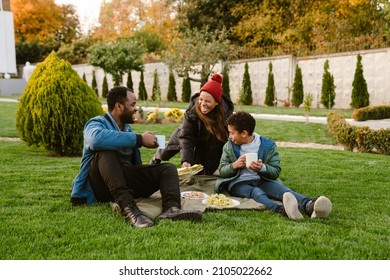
x=161, y=141
x=249, y=158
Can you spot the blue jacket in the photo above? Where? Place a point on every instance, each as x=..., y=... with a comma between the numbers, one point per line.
x=268, y=153
x=101, y=133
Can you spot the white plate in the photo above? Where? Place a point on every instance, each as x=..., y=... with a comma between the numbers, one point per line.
x=189, y=192
x=235, y=203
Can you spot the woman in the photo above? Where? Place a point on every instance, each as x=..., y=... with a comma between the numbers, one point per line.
x=203, y=132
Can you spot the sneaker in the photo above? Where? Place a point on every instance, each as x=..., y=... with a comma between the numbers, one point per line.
x=290, y=206
x=319, y=207
x=177, y=214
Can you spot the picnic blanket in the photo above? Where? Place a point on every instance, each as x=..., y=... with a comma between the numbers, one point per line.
x=151, y=206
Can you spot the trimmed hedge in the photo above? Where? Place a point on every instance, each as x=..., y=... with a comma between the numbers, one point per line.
x=362, y=138
x=371, y=113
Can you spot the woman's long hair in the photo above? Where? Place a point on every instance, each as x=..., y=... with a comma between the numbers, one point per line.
x=214, y=121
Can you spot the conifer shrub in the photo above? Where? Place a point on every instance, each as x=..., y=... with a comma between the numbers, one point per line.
x=246, y=89
x=156, y=91
x=171, y=95
x=129, y=83
x=104, y=87
x=186, y=88
x=94, y=84
x=270, y=90
x=142, y=94
x=360, y=95
x=297, y=89
x=225, y=81
x=328, y=89
x=55, y=105
x=84, y=78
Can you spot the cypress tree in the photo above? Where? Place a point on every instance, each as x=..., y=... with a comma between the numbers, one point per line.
x=297, y=97
x=270, y=90
x=360, y=95
x=156, y=92
x=328, y=92
x=246, y=94
x=171, y=96
x=104, y=87
x=142, y=94
x=129, y=83
x=225, y=81
x=186, y=88
x=54, y=106
x=84, y=78
x=94, y=84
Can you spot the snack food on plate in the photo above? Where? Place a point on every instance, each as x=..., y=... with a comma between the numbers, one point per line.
x=193, y=195
x=190, y=170
x=219, y=200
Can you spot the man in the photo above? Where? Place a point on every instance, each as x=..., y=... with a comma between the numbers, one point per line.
x=111, y=167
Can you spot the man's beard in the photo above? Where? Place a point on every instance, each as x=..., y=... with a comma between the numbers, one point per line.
x=127, y=117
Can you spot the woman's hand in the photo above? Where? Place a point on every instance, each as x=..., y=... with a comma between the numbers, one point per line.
x=186, y=164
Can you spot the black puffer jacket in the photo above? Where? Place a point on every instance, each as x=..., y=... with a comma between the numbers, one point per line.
x=196, y=144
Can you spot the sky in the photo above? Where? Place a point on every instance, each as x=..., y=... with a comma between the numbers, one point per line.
x=87, y=10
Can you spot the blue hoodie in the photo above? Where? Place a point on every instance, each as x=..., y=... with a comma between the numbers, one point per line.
x=101, y=133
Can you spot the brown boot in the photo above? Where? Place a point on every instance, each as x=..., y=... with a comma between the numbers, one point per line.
x=136, y=218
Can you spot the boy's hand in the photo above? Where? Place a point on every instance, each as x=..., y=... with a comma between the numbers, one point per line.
x=239, y=163
x=256, y=165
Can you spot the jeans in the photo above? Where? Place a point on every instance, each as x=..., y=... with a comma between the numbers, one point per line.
x=266, y=192
x=113, y=181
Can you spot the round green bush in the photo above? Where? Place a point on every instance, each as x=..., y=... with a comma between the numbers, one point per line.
x=54, y=107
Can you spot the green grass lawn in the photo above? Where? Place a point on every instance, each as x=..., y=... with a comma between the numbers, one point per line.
x=38, y=222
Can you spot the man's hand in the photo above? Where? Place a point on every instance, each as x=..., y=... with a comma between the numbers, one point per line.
x=149, y=140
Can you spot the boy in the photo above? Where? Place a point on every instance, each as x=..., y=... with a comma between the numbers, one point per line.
x=260, y=180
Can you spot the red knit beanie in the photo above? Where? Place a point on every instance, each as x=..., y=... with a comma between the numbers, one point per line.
x=214, y=87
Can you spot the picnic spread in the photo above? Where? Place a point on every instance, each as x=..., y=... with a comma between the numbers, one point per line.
x=197, y=192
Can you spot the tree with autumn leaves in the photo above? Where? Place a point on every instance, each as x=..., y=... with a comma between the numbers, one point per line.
x=283, y=25
x=42, y=26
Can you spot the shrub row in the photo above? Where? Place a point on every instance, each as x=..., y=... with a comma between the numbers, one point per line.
x=362, y=138
x=371, y=113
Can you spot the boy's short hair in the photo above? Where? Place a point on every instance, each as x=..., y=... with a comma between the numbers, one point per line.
x=242, y=121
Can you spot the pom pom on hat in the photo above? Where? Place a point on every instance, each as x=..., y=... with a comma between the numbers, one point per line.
x=214, y=87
